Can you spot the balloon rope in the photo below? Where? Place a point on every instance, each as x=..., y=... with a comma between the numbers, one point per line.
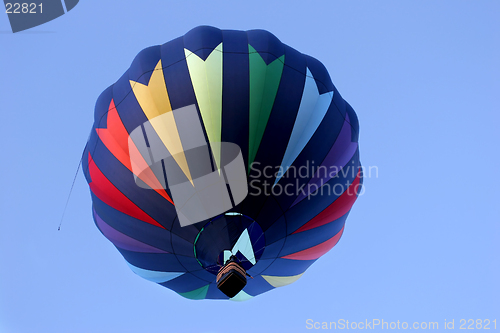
x=70, y=191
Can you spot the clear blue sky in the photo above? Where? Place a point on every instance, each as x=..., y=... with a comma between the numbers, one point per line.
x=421, y=244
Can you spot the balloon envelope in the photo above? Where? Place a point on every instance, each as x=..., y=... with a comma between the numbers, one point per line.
x=221, y=143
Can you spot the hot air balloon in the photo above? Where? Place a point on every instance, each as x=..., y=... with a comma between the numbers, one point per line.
x=223, y=163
